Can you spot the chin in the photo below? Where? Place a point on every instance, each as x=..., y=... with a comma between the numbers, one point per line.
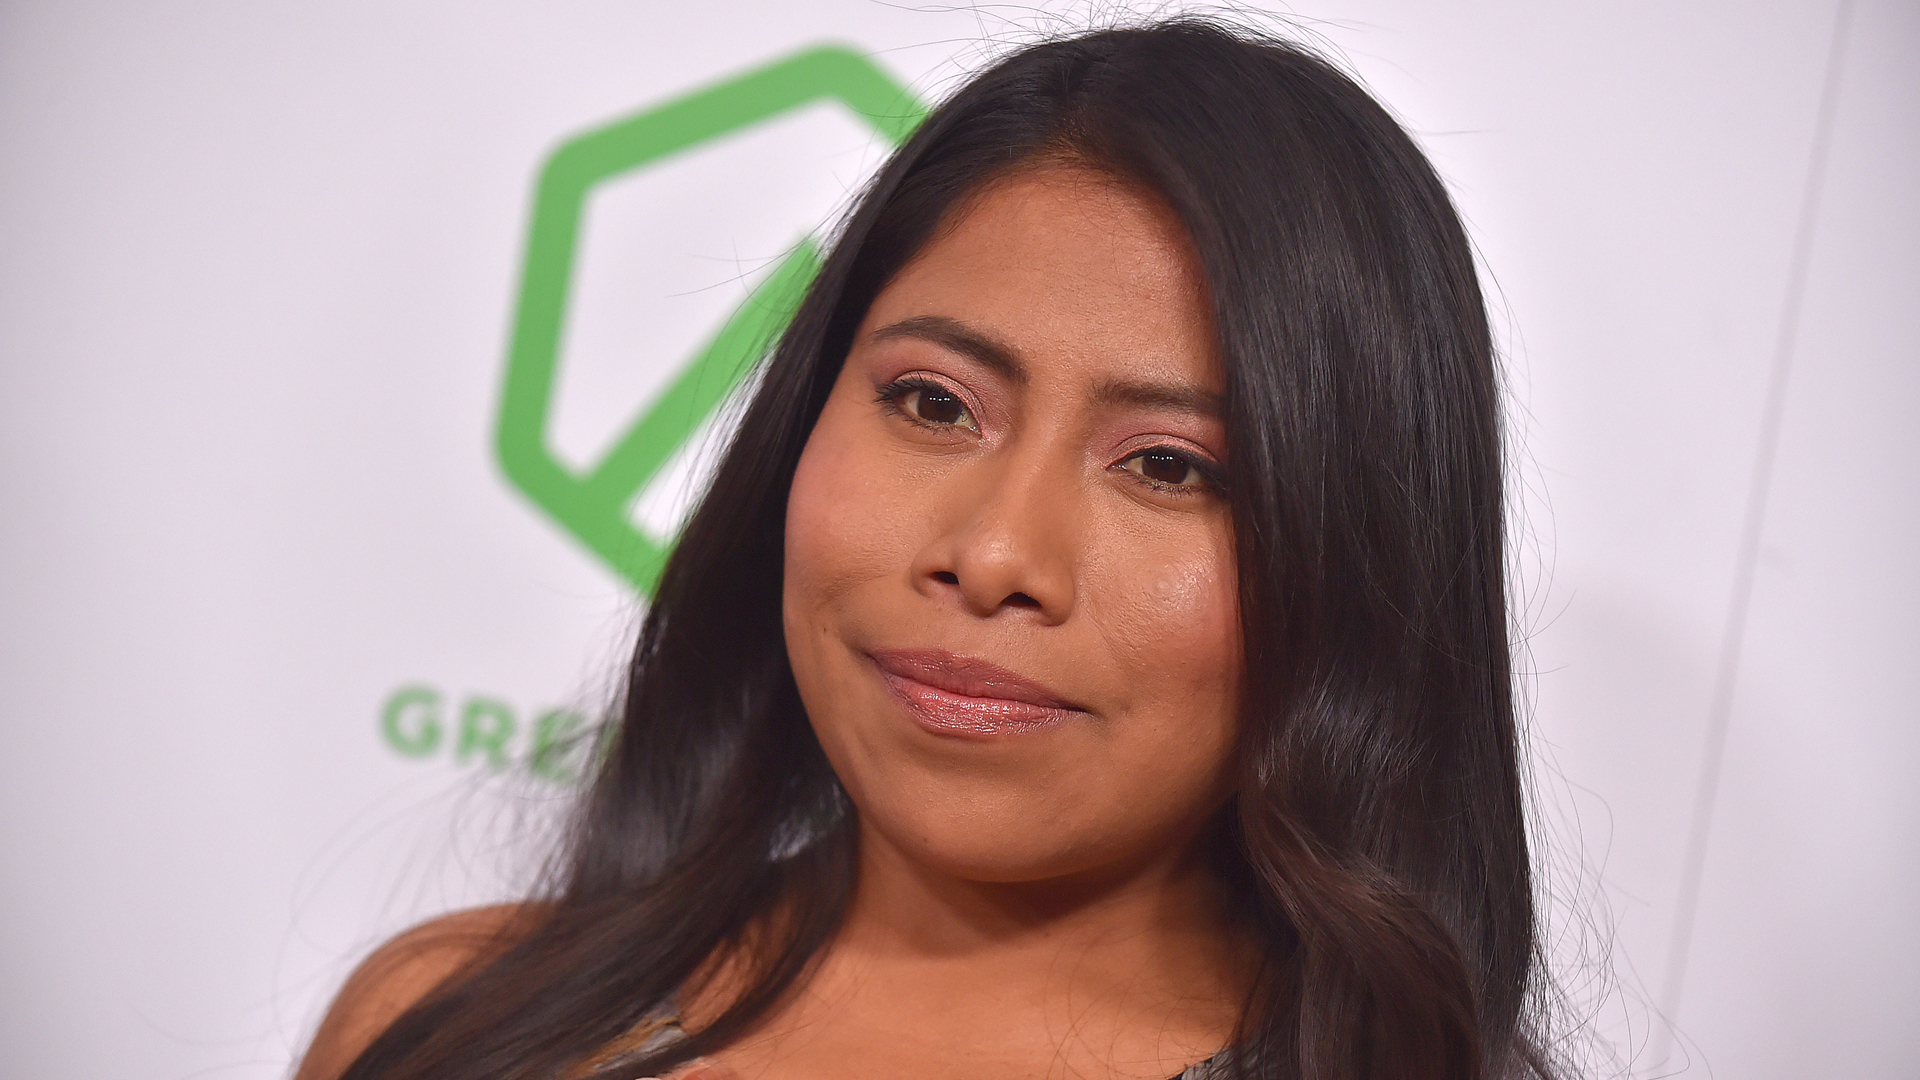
x=972, y=830
x=1002, y=857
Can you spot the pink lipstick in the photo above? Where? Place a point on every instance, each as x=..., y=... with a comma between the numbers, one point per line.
x=962, y=695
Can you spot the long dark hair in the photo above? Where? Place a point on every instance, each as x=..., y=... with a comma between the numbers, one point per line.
x=1377, y=827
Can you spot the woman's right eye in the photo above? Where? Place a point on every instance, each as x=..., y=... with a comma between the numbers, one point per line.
x=929, y=403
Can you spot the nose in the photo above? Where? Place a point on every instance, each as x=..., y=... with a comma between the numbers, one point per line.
x=1005, y=542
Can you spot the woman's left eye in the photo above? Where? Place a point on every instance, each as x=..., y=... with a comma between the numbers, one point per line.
x=1168, y=468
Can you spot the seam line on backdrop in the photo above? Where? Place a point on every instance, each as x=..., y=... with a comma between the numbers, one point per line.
x=1733, y=636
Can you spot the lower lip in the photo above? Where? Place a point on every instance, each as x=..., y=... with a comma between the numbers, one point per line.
x=945, y=713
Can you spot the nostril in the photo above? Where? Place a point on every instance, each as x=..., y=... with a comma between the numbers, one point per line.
x=946, y=578
x=1021, y=599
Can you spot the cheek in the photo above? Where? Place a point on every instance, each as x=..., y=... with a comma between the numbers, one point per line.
x=1175, y=633
x=837, y=531
x=850, y=534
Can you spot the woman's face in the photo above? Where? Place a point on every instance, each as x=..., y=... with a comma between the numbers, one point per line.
x=1010, y=590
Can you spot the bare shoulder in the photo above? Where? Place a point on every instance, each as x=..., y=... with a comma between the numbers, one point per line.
x=400, y=973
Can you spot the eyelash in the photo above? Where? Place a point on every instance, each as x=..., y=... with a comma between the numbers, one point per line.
x=1211, y=481
x=893, y=394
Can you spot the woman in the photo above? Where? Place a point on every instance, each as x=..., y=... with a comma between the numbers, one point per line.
x=1091, y=658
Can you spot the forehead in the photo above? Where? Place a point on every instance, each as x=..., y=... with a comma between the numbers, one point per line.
x=1085, y=276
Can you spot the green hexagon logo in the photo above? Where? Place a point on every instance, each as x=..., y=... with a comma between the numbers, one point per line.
x=591, y=505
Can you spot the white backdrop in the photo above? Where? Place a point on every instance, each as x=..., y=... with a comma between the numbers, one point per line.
x=258, y=267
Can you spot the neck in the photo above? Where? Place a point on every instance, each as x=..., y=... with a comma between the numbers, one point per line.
x=1147, y=954
x=1125, y=972
x=1154, y=912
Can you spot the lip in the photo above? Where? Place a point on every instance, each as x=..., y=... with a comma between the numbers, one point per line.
x=950, y=694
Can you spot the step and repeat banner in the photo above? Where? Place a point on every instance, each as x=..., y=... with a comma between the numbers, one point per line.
x=359, y=364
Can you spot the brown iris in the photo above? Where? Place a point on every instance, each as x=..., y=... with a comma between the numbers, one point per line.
x=1164, y=466
x=936, y=406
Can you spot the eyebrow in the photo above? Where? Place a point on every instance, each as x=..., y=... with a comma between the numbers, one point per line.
x=955, y=336
x=1173, y=397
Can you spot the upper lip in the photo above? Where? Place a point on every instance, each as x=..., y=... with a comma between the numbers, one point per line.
x=967, y=675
